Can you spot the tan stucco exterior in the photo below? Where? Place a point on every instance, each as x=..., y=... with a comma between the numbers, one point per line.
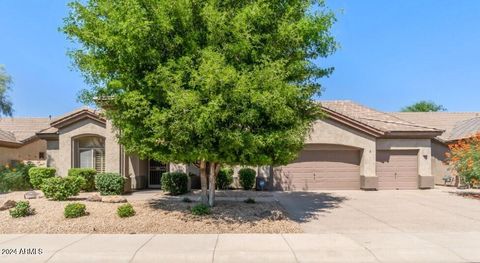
x=439, y=167
x=27, y=153
x=424, y=156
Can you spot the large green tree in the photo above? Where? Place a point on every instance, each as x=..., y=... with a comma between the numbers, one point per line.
x=424, y=106
x=5, y=103
x=207, y=81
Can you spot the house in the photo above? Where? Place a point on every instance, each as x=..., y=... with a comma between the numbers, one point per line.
x=354, y=147
x=18, y=141
x=457, y=126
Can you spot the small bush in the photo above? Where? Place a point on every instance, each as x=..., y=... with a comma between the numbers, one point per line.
x=186, y=200
x=249, y=200
x=175, y=183
x=109, y=183
x=15, y=178
x=200, y=210
x=125, y=210
x=74, y=210
x=22, y=209
x=61, y=188
x=247, y=178
x=88, y=174
x=224, y=178
x=38, y=174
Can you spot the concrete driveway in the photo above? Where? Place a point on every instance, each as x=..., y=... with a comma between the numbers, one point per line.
x=416, y=225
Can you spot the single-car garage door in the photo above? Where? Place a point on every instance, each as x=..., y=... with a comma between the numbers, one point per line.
x=321, y=170
x=397, y=169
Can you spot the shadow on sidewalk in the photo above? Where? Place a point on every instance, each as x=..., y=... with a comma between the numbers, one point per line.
x=306, y=206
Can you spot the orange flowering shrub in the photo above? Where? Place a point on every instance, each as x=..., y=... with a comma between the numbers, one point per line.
x=464, y=158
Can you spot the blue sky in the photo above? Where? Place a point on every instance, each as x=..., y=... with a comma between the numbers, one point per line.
x=392, y=53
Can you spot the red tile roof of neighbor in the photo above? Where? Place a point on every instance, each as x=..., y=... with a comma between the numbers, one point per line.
x=18, y=130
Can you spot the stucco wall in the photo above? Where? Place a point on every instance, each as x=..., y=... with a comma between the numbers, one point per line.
x=439, y=168
x=83, y=127
x=52, y=153
x=331, y=132
x=28, y=152
x=424, y=155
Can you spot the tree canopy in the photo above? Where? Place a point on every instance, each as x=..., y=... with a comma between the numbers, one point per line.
x=5, y=103
x=424, y=106
x=219, y=81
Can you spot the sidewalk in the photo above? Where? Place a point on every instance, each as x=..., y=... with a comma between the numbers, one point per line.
x=227, y=248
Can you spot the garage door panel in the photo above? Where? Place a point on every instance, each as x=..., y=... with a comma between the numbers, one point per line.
x=397, y=169
x=322, y=169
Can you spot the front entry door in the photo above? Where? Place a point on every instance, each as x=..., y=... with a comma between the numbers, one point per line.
x=155, y=171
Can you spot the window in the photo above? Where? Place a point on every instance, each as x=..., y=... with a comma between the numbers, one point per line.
x=90, y=153
x=41, y=155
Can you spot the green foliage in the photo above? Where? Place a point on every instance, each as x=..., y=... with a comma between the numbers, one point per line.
x=15, y=178
x=125, y=210
x=249, y=200
x=22, y=209
x=38, y=174
x=223, y=81
x=175, y=183
x=88, y=174
x=61, y=188
x=464, y=159
x=5, y=103
x=224, y=178
x=424, y=106
x=246, y=177
x=74, y=210
x=200, y=210
x=109, y=183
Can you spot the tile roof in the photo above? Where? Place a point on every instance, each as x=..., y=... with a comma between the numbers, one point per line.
x=455, y=124
x=22, y=128
x=381, y=121
x=7, y=136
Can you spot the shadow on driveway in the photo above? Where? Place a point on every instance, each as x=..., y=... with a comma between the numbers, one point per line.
x=306, y=206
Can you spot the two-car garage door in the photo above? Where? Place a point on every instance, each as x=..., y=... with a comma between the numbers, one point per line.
x=321, y=170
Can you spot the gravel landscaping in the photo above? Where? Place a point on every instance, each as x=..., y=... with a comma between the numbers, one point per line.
x=158, y=215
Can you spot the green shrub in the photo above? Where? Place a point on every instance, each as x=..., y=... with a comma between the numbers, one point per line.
x=88, y=174
x=247, y=178
x=22, y=209
x=125, y=210
x=175, y=183
x=38, y=174
x=109, y=183
x=224, y=178
x=61, y=188
x=74, y=210
x=15, y=178
x=249, y=200
x=200, y=210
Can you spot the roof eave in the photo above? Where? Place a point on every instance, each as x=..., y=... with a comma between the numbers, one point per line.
x=352, y=123
x=412, y=134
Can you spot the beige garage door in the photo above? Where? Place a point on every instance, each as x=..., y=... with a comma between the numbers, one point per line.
x=322, y=170
x=397, y=169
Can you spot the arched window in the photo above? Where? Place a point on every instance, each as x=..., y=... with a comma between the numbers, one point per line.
x=90, y=153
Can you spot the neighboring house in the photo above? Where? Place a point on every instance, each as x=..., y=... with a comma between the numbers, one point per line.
x=18, y=141
x=457, y=126
x=354, y=147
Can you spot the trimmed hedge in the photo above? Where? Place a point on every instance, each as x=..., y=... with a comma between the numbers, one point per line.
x=74, y=210
x=38, y=174
x=88, y=174
x=224, y=178
x=61, y=188
x=247, y=178
x=109, y=183
x=175, y=183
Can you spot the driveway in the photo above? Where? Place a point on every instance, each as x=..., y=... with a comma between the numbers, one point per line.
x=416, y=225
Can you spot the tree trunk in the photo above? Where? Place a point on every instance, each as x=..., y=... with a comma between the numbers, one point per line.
x=203, y=181
x=214, y=169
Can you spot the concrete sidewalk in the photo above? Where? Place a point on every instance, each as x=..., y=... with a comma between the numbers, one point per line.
x=329, y=247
